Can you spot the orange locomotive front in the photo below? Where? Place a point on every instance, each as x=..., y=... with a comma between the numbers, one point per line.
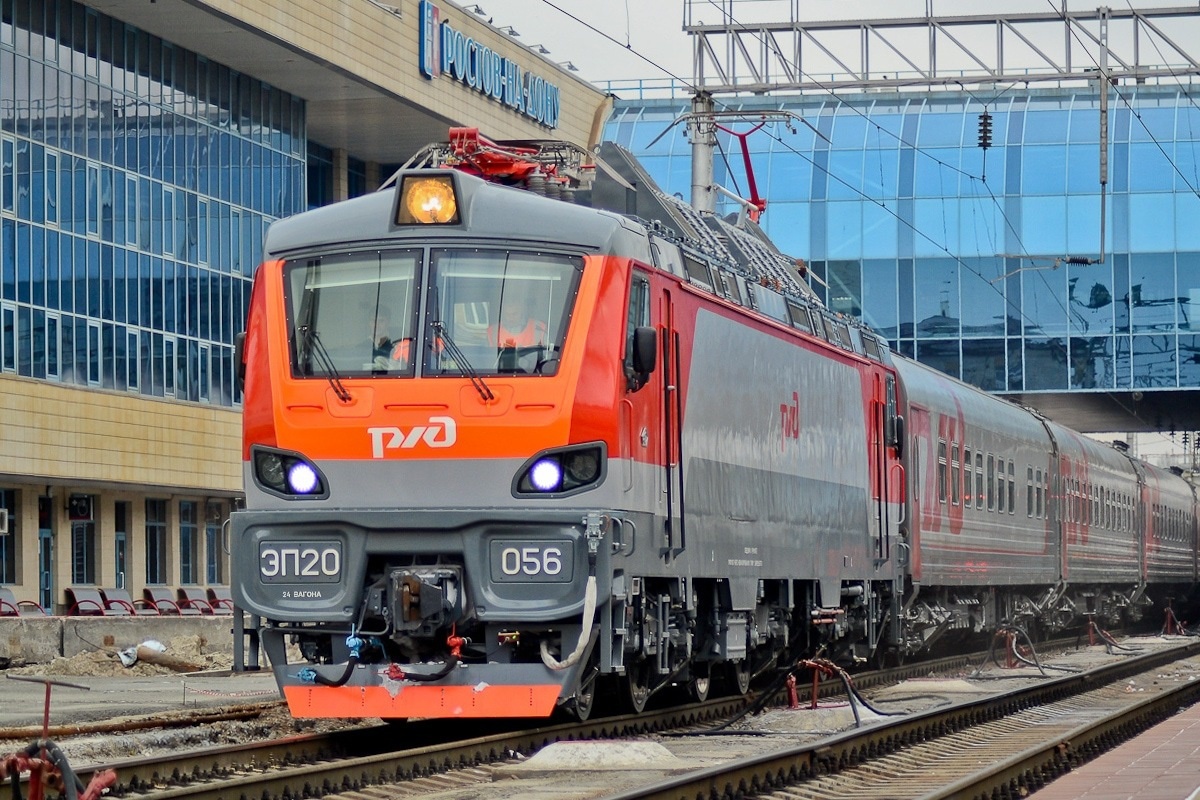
x=418, y=414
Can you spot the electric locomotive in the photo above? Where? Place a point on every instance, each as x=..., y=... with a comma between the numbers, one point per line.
x=680, y=471
x=501, y=450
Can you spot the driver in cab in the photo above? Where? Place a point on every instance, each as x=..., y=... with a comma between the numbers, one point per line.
x=518, y=327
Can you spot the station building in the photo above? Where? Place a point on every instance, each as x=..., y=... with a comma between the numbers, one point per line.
x=144, y=149
x=991, y=264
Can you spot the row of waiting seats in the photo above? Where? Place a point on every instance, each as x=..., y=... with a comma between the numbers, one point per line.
x=156, y=601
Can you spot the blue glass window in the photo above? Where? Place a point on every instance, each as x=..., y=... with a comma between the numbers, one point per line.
x=983, y=364
x=1044, y=306
x=941, y=355
x=940, y=129
x=937, y=308
x=845, y=175
x=1152, y=294
x=936, y=172
x=1157, y=124
x=845, y=230
x=879, y=231
x=879, y=296
x=1083, y=226
x=1189, y=360
x=1043, y=170
x=1154, y=361
x=1044, y=226
x=1044, y=125
x=1091, y=298
x=1150, y=169
x=1045, y=364
x=982, y=298
x=1091, y=363
x=936, y=227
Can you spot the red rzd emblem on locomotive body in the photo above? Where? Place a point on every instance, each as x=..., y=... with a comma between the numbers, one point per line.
x=440, y=432
x=789, y=416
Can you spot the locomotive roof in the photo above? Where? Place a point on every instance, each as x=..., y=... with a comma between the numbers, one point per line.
x=489, y=210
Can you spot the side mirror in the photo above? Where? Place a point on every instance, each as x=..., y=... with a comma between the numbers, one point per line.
x=239, y=359
x=898, y=435
x=645, y=350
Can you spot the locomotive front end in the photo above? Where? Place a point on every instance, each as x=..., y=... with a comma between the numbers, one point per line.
x=425, y=484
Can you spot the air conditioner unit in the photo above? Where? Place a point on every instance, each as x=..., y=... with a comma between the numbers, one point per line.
x=79, y=508
x=3, y=522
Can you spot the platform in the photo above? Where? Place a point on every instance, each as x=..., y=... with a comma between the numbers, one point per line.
x=1161, y=764
x=80, y=700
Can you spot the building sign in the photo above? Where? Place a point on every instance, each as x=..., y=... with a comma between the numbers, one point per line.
x=446, y=51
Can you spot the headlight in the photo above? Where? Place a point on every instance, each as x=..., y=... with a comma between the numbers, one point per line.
x=427, y=200
x=287, y=474
x=561, y=472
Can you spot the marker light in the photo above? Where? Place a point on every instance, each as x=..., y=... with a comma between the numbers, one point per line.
x=427, y=200
x=287, y=475
x=561, y=472
x=302, y=478
x=546, y=475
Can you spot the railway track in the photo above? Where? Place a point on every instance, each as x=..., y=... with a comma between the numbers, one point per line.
x=350, y=762
x=1003, y=746
x=324, y=762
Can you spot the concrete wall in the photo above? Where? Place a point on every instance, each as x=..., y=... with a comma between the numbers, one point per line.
x=38, y=640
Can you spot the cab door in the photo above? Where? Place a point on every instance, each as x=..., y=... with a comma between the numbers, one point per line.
x=640, y=409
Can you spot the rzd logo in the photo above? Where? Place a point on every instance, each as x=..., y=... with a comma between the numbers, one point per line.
x=440, y=432
x=789, y=416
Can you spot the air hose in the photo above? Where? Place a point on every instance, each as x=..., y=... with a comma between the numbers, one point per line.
x=310, y=675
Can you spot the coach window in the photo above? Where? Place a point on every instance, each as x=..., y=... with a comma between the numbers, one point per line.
x=1012, y=487
x=1038, y=494
x=966, y=478
x=1029, y=491
x=991, y=482
x=941, y=471
x=978, y=479
x=955, y=476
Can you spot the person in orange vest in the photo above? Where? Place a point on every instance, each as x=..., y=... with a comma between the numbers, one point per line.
x=518, y=327
x=388, y=353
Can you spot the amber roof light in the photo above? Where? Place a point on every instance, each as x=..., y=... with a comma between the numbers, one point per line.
x=427, y=200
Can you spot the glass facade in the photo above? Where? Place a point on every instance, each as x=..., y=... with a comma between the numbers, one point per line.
x=979, y=261
x=137, y=180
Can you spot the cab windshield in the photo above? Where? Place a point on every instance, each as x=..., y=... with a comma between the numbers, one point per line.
x=498, y=312
x=487, y=312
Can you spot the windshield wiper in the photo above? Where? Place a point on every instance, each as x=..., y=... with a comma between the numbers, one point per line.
x=312, y=342
x=464, y=364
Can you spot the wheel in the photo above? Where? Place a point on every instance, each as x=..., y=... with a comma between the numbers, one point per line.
x=637, y=680
x=739, y=676
x=581, y=705
x=699, y=684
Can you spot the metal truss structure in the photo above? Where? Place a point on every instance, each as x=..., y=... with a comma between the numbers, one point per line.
x=743, y=52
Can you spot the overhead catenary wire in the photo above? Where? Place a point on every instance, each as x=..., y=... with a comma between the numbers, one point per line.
x=1010, y=303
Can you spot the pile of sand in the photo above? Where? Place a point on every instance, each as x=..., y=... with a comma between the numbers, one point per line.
x=105, y=662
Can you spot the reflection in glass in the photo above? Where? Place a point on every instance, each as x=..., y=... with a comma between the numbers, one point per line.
x=941, y=355
x=1045, y=364
x=983, y=364
x=1091, y=365
x=1154, y=360
x=1152, y=295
